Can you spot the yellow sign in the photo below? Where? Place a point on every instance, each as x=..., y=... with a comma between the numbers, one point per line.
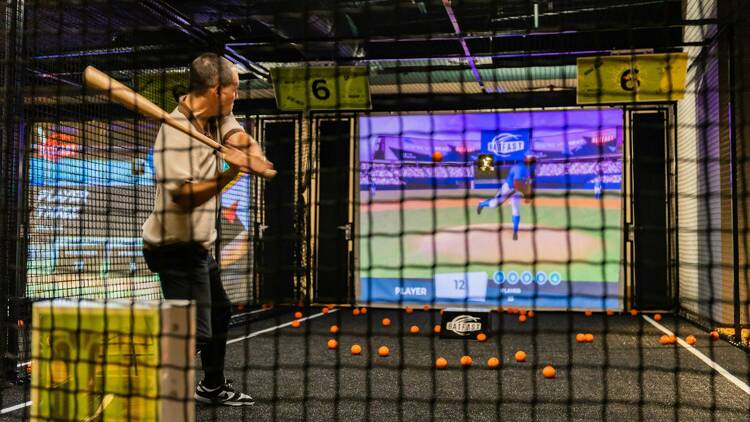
x=321, y=88
x=629, y=79
x=113, y=361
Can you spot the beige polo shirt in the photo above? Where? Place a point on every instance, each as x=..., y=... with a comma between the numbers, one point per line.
x=178, y=159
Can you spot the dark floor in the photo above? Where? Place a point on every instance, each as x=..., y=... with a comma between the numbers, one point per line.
x=625, y=374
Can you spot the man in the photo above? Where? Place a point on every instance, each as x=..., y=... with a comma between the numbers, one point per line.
x=519, y=183
x=179, y=234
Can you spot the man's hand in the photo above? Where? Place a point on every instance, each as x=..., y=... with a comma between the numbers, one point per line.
x=248, y=162
x=244, y=142
x=255, y=161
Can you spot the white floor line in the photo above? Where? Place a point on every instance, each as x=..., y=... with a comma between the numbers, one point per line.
x=234, y=340
x=250, y=312
x=268, y=330
x=14, y=408
x=734, y=380
x=229, y=342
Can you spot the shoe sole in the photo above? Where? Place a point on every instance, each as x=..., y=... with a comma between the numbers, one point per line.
x=221, y=403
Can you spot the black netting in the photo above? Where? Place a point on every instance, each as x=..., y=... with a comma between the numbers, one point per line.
x=374, y=210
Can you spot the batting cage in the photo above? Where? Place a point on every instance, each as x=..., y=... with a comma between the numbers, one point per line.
x=381, y=210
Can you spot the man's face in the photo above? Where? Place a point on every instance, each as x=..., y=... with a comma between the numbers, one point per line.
x=225, y=95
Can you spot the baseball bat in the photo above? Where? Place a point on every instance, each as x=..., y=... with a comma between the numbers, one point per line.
x=122, y=94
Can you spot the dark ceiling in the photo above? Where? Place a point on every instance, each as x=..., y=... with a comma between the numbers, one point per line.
x=394, y=37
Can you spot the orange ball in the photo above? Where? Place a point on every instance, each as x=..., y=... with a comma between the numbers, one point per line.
x=362, y=311
x=466, y=361
x=657, y=317
x=355, y=311
x=298, y=314
x=436, y=329
x=588, y=313
x=383, y=351
x=520, y=356
x=589, y=337
x=522, y=319
x=671, y=340
x=356, y=349
x=610, y=312
x=634, y=312
x=714, y=335
x=493, y=362
x=325, y=311
x=425, y=307
x=414, y=329
x=580, y=337
x=522, y=312
x=334, y=329
x=332, y=344
x=441, y=363
x=530, y=314
x=437, y=156
x=386, y=322
x=481, y=337
x=549, y=371
x=296, y=323
x=691, y=340
x=664, y=339
x=408, y=310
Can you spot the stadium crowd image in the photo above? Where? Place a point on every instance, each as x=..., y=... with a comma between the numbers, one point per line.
x=393, y=210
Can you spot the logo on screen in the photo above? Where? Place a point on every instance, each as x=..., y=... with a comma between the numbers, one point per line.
x=55, y=145
x=604, y=136
x=506, y=144
x=464, y=325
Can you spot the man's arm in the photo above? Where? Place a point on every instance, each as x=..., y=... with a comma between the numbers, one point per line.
x=245, y=142
x=192, y=195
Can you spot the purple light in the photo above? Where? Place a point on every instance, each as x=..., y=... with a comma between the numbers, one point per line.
x=499, y=56
x=85, y=53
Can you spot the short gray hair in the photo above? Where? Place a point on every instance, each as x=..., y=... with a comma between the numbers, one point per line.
x=208, y=70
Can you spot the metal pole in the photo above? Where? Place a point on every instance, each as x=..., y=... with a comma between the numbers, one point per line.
x=733, y=178
x=10, y=156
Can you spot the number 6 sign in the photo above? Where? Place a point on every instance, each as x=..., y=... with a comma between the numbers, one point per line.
x=321, y=88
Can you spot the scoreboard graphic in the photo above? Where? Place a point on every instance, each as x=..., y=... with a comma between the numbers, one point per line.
x=424, y=238
x=91, y=188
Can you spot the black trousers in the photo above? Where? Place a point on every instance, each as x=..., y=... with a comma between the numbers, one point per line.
x=187, y=271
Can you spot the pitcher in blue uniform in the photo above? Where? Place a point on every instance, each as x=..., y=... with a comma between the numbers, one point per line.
x=518, y=184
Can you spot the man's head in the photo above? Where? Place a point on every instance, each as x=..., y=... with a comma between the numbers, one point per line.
x=215, y=80
x=529, y=159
